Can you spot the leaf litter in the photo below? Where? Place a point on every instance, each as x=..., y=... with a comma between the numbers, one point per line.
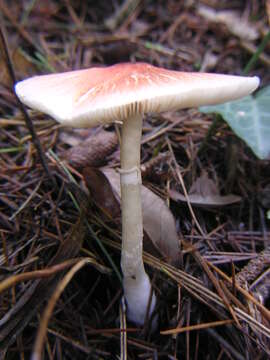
x=49, y=226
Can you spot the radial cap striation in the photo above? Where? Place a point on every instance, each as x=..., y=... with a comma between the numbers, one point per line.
x=85, y=98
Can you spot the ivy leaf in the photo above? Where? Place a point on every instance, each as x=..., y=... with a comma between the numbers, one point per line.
x=249, y=118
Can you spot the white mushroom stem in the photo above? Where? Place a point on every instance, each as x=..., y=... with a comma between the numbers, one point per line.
x=136, y=283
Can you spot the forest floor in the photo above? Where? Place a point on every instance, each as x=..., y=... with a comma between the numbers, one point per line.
x=60, y=277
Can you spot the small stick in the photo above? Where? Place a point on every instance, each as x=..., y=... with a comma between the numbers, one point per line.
x=28, y=121
x=196, y=327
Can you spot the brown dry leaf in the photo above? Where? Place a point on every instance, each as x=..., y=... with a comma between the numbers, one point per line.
x=267, y=6
x=234, y=22
x=19, y=61
x=102, y=192
x=158, y=221
x=204, y=193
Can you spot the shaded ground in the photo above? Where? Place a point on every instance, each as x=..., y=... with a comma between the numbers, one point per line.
x=47, y=222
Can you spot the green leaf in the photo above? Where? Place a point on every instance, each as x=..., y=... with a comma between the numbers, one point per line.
x=249, y=118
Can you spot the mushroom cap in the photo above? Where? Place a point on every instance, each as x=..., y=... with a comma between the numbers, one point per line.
x=89, y=97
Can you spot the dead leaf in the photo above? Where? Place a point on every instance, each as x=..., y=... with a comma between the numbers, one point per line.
x=20, y=62
x=158, y=221
x=204, y=187
x=267, y=6
x=102, y=192
x=236, y=24
x=204, y=193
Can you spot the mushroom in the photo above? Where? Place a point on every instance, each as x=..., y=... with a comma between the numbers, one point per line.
x=125, y=92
